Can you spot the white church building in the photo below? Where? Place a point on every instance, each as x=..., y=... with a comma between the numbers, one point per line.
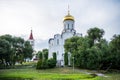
x=56, y=44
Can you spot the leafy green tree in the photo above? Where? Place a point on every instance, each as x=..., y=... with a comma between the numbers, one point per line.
x=76, y=46
x=27, y=50
x=71, y=45
x=4, y=52
x=90, y=51
x=17, y=51
x=95, y=34
x=115, y=52
x=81, y=56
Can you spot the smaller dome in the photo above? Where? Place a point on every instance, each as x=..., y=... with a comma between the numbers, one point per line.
x=68, y=17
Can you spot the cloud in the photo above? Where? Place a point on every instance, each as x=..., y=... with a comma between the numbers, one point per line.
x=45, y=17
x=41, y=44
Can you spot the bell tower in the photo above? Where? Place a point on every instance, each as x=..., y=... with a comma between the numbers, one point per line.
x=68, y=23
x=31, y=39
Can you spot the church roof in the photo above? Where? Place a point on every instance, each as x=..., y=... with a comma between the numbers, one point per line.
x=31, y=36
x=68, y=16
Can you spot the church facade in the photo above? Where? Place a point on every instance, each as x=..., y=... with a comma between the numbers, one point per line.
x=56, y=44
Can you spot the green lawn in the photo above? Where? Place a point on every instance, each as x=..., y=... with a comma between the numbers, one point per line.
x=30, y=73
x=50, y=74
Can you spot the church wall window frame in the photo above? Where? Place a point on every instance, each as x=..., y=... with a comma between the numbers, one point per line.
x=72, y=26
x=57, y=41
x=68, y=26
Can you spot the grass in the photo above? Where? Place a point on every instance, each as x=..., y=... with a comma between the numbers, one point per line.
x=51, y=74
x=25, y=72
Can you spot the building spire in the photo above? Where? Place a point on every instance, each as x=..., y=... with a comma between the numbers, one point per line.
x=31, y=35
x=68, y=16
x=68, y=10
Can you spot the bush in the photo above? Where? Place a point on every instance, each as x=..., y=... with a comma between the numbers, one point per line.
x=51, y=63
x=39, y=63
x=42, y=64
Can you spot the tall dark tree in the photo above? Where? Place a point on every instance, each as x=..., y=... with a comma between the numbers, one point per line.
x=66, y=58
x=40, y=55
x=54, y=56
x=45, y=53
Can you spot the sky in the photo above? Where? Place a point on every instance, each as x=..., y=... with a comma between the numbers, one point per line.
x=45, y=18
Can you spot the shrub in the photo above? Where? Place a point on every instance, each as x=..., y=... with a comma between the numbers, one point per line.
x=39, y=63
x=51, y=63
x=42, y=64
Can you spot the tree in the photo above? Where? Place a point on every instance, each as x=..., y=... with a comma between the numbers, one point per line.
x=27, y=50
x=95, y=34
x=45, y=53
x=71, y=45
x=16, y=49
x=103, y=46
x=4, y=52
x=19, y=49
x=76, y=46
x=10, y=40
x=115, y=52
x=89, y=50
x=40, y=55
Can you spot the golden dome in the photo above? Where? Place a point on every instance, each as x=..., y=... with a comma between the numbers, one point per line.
x=68, y=17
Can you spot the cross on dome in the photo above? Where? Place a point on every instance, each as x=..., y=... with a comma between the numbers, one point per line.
x=68, y=16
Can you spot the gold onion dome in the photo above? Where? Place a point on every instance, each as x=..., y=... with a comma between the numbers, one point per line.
x=68, y=17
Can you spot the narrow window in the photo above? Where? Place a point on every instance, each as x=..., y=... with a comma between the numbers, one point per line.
x=68, y=26
x=57, y=41
x=72, y=26
x=57, y=52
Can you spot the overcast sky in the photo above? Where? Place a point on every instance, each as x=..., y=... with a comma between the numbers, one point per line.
x=46, y=17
